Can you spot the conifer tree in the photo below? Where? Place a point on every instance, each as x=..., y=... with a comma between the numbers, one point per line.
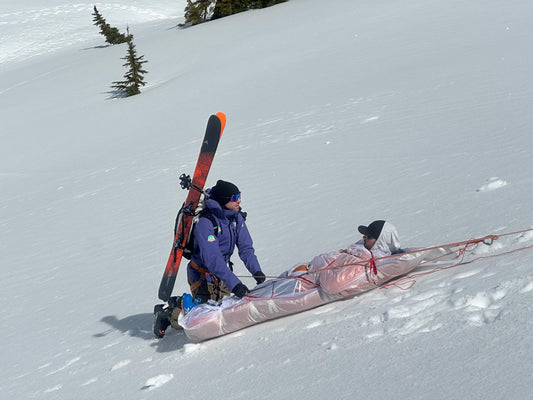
x=98, y=20
x=198, y=11
x=223, y=8
x=111, y=34
x=134, y=77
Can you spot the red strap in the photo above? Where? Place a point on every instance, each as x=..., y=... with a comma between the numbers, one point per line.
x=373, y=265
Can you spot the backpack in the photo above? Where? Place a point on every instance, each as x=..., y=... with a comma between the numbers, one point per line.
x=200, y=211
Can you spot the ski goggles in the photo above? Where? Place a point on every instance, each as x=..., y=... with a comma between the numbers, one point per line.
x=235, y=197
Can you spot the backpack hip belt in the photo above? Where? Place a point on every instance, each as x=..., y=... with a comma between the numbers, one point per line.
x=203, y=275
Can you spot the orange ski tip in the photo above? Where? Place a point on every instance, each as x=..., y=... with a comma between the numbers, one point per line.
x=222, y=117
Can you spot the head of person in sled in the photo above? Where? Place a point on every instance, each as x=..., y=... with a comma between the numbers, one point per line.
x=227, y=195
x=380, y=236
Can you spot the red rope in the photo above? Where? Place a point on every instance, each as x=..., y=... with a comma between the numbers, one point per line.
x=465, y=246
x=460, y=253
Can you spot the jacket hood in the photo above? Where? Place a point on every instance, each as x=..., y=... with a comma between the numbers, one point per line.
x=388, y=241
x=217, y=210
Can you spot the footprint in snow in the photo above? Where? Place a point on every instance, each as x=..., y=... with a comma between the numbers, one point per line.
x=483, y=308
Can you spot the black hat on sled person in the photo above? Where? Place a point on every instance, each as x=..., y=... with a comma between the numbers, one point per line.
x=373, y=230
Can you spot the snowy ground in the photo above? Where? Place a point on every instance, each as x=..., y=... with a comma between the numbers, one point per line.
x=416, y=112
x=32, y=28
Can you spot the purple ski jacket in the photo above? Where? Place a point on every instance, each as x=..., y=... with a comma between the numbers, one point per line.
x=214, y=251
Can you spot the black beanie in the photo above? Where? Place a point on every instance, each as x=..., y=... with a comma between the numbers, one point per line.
x=223, y=191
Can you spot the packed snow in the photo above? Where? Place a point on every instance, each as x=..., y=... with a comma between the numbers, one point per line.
x=415, y=112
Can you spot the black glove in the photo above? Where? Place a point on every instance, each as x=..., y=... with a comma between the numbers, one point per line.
x=240, y=290
x=259, y=277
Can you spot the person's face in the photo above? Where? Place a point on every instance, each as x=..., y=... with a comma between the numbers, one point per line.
x=234, y=203
x=369, y=242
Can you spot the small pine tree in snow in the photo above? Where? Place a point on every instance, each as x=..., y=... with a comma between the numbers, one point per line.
x=198, y=11
x=134, y=79
x=111, y=34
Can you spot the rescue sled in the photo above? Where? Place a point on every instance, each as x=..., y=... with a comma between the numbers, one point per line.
x=327, y=278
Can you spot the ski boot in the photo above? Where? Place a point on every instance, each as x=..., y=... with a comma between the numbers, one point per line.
x=163, y=314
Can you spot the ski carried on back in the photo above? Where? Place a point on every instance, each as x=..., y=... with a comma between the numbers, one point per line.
x=215, y=127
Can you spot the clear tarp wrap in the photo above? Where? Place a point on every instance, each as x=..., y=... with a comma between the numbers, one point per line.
x=328, y=277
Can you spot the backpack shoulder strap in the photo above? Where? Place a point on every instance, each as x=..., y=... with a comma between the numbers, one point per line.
x=206, y=213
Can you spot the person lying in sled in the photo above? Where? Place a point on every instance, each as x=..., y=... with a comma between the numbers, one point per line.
x=354, y=268
x=381, y=238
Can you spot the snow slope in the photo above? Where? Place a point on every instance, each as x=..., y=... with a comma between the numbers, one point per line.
x=416, y=112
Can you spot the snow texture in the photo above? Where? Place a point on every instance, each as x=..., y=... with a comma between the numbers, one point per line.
x=337, y=116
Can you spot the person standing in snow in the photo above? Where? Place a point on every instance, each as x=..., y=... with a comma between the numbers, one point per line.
x=219, y=230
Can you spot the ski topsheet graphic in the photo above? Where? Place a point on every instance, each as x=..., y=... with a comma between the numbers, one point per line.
x=215, y=127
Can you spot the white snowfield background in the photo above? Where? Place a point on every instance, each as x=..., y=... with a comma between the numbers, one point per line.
x=416, y=112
